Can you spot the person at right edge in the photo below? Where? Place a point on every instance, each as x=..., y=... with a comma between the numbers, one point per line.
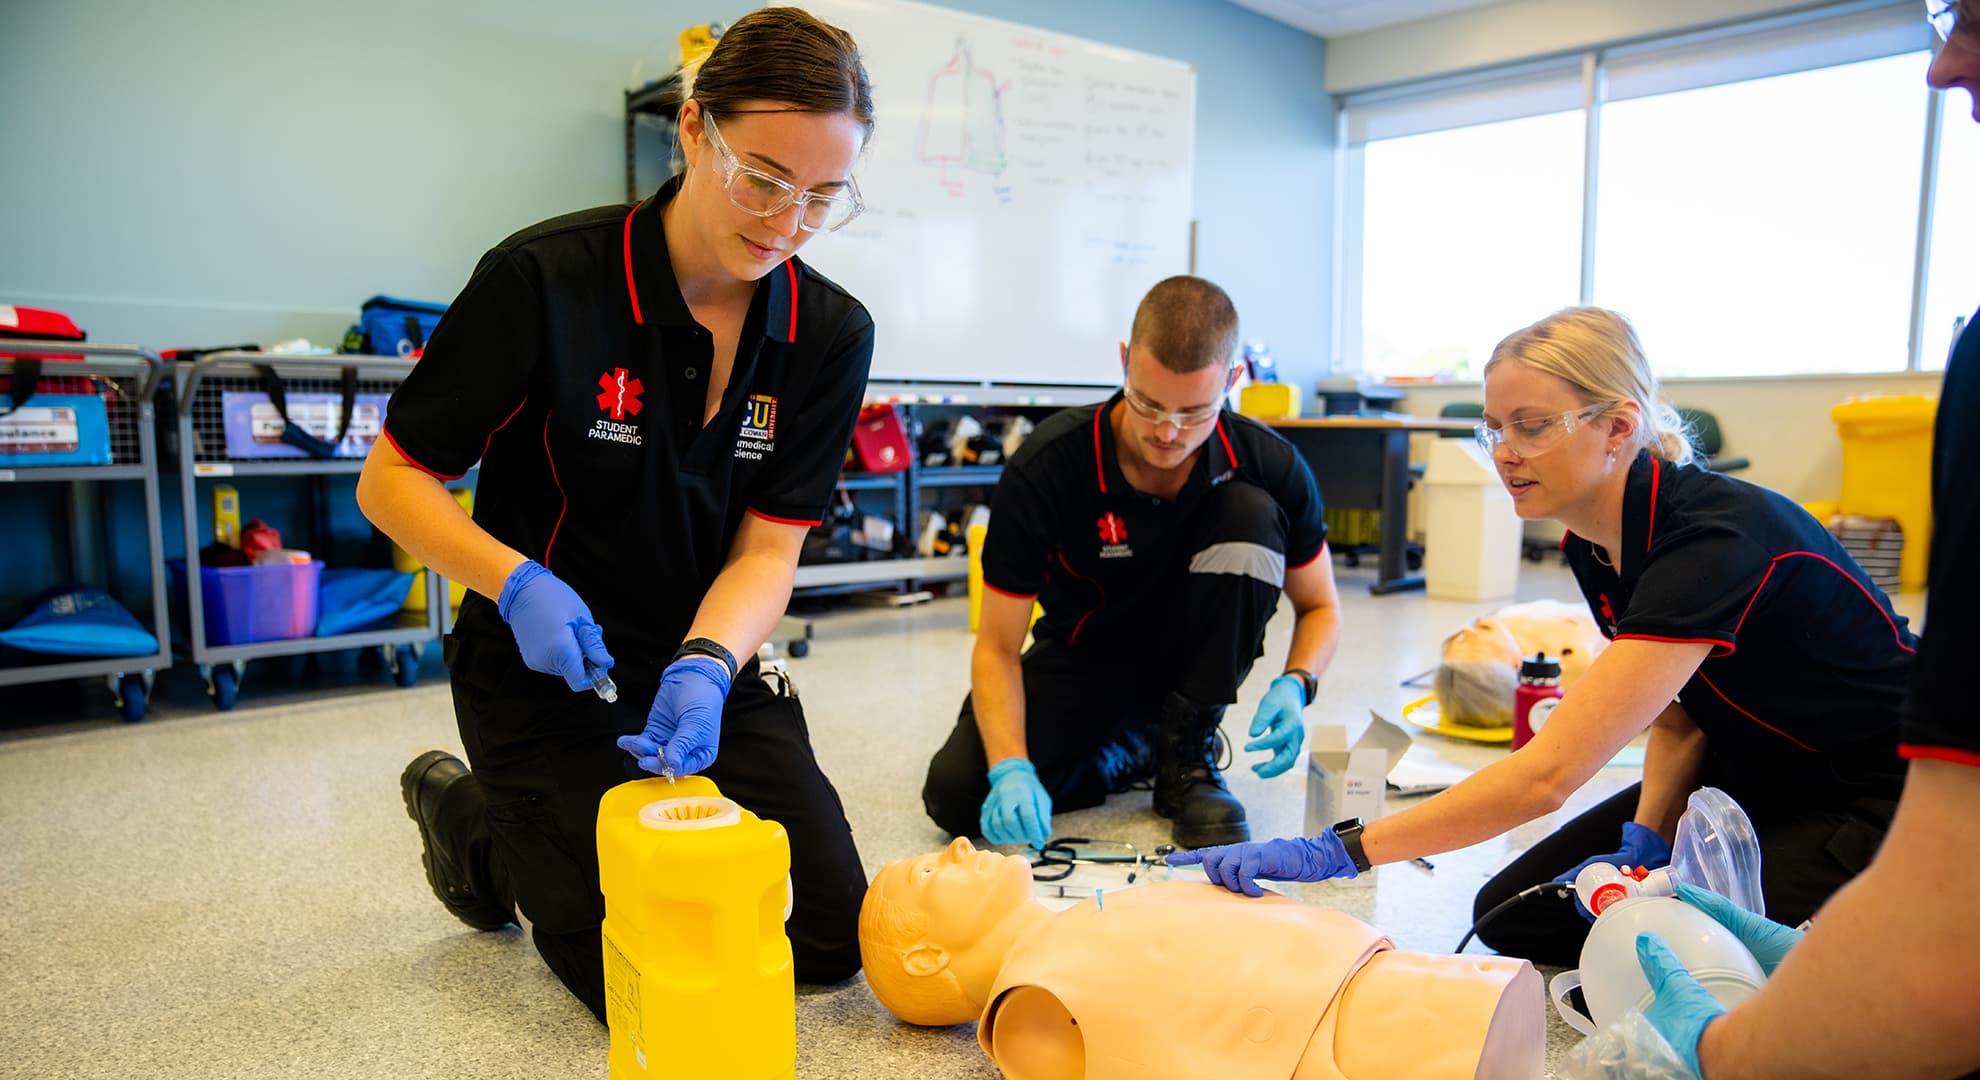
x=1885, y=982
x=1157, y=530
x=1757, y=653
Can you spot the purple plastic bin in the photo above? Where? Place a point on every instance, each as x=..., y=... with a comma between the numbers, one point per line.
x=246, y=604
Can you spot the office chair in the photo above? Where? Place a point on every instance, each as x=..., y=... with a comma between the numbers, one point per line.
x=1460, y=410
x=1702, y=428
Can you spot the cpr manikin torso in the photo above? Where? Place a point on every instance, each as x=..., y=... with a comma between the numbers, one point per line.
x=1561, y=630
x=1479, y=666
x=1183, y=979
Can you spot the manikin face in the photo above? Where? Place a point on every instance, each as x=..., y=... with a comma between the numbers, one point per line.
x=1566, y=443
x=964, y=892
x=1187, y=401
x=813, y=152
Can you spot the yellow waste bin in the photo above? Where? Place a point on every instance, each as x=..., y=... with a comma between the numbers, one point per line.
x=1887, y=469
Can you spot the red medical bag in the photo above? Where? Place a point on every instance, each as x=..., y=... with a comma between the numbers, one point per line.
x=880, y=441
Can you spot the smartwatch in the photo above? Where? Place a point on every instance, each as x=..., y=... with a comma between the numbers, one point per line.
x=1306, y=681
x=1349, y=833
x=701, y=646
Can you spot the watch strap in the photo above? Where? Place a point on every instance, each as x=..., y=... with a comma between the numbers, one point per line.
x=1307, y=682
x=1349, y=834
x=702, y=646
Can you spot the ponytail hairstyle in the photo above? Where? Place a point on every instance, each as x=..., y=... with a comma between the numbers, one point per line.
x=1596, y=351
x=786, y=55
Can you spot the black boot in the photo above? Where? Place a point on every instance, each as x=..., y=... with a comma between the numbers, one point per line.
x=425, y=785
x=1189, y=788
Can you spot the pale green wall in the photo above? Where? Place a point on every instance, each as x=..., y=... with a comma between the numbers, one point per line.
x=216, y=170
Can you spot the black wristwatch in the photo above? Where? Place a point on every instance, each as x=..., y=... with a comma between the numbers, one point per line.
x=1306, y=681
x=1349, y=832
x=701, y=646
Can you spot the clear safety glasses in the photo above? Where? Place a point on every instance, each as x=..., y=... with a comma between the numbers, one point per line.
x=1188, y=418
x=1537, y=435
x=754, y=191
x=1951, y=30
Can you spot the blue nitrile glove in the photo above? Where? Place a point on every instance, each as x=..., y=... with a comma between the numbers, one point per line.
x=1238, y=866
x=1278, y=722
x=553, y=627
x=1017, y=811
x=684, y=726
x=1683, y=1007
x=1640, y=847
x=1767, y=940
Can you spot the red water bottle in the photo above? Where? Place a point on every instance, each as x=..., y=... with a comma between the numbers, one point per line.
x=1539, y=691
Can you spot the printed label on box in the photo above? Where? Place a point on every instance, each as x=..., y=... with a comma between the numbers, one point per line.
x=33, y=429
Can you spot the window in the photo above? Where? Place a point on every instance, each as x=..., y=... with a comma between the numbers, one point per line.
x=1466, y=236
x=1769, y=226
x=1952, y=281
x=1753, y=202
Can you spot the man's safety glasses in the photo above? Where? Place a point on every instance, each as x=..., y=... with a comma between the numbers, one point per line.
x=1539, y=434
x=1188, y=418
x=754, y=191
x=1945, y=19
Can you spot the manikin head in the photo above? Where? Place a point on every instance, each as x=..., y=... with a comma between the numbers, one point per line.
x=1569, y=402
x=1176, y=366
x=933, y=930
x=1480, y=665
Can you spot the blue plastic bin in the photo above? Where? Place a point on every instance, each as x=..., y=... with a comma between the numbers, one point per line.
x=246, y=604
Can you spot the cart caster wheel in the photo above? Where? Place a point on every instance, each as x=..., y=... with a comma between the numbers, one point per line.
x=1353, y=558
x=131, y=695
x=224, y=685
x=405, y=665
x=799, y=648
x=1414, y=561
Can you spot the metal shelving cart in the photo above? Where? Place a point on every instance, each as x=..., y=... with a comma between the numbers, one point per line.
x=128, y=377
x=203, y=457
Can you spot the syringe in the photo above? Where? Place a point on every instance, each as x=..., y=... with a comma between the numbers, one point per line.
x=601, y=682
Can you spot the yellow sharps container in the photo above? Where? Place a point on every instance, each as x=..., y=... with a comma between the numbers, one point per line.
x=697, y=966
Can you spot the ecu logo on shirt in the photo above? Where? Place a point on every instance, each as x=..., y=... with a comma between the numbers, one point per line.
x=759, y=427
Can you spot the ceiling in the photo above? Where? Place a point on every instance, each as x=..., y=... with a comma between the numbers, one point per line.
x=1333, y=18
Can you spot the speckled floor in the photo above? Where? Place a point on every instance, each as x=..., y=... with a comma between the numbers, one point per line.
x=239, y=895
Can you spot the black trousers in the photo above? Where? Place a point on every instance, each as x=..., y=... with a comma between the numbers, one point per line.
x=1201, y=625
x=1806, y=854
x=525, y=821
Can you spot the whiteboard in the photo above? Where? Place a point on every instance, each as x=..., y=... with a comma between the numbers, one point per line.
x=1023, y=190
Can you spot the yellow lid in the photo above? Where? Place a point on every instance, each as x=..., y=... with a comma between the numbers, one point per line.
x=1425, y=713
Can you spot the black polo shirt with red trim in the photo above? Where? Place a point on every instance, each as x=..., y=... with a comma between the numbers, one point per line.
x=1106, y=561
x=1940, y=721
x=1800, y=694
x=571, y=367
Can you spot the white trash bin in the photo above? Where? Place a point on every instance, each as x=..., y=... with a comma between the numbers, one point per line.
x=1471, y=534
